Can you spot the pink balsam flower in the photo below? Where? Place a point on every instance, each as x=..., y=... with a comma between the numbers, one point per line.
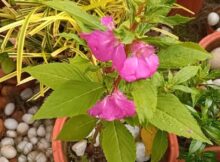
x=108, y=22
x=142, y=63
x=104, y=45
x=113, y=107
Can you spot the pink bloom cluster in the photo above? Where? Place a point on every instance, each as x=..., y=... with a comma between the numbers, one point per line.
x=142, y=63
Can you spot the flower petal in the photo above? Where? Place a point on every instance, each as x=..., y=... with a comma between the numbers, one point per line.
x=118, y=57
x=113, y=107
x=108, y=22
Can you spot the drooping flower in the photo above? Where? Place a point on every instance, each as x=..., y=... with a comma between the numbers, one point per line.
x=113, y=107
x=142, y=63
x=104, y=45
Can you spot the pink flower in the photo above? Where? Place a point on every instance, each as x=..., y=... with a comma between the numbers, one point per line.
x=142, y=64
x=113, y=107
x=105, y=46
x=108, y=22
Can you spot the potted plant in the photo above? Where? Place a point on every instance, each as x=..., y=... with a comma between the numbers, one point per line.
x=113, y=75
x=110, y=84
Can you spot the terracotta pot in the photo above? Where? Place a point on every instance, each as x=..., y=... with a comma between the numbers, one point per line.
x=59, y=153
x=211, y=41
x=193, y=5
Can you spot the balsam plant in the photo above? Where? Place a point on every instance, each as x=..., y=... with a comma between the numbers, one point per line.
x=124, y=72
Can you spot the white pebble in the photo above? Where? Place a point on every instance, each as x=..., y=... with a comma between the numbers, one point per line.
x=32, y=132
x=41, y=157
x=48, y=137
x=133, y=130
x=215, y=60
x=26, y=94
x=9, y=109
x=140, y=153
x=49, y=128
x=3, y=159
x=33, y=110
x=22, y=158
x=49, y=152
x=21, y=145
x=8, y=151
x=11, y=133
x=41, y=132
x=216, y=82
x=43, y=144
x=22, y=128
x=7, y=141
x=27, y=118
x=97, y=142
x=18, y=139
x=28, y=148
x=213, y=18
x=34, y=140
x=11, y=124
x=80, y=147
x=32, y=156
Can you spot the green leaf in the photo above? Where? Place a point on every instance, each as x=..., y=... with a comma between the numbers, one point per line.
x=80, y=126
x=145, y=98
x=3, y=56
x=70, y=99
x=8, y=65
x=181, y=55
x=76, y=12
x=183, y=88
x=159, y=140
x=172, y=116
x=175, y=20
x=54, y=75
x=185, y=74
x=162, y=42
x=117, y=143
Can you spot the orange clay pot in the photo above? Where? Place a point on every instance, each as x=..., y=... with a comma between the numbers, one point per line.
x=193, y=5
x=60, y=155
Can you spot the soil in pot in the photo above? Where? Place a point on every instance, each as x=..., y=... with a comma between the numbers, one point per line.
x=21, y=138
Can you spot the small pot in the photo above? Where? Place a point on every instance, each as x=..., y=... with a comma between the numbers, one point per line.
x=60, y=156
x=193, y=5
x=211, y=41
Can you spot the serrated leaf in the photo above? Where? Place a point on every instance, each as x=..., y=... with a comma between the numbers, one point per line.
x=70, y=99
x=172, y=116
x=145, y=98
x=80, y=126
x=185, y=74
x=181, y=55
x=117, y=143
x=161, y=141
x=76, y=12
x=54, y=75
x=175, y=20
